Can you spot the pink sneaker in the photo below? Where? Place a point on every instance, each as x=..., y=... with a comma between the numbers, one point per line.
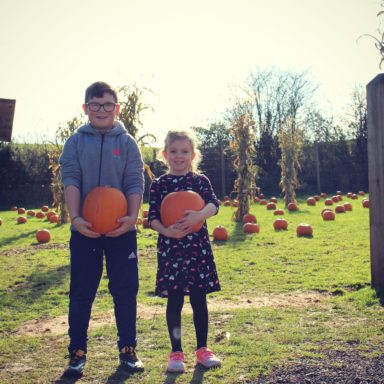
x=176, y=362
x=207, y=358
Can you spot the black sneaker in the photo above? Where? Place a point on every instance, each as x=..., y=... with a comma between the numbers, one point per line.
x=130, y=360
x=76, y=363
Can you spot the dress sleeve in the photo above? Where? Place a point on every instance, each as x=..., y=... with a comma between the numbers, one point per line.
x=154, y=201
x=206, y=192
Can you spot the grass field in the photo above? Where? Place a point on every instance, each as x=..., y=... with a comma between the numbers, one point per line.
x=283, y=298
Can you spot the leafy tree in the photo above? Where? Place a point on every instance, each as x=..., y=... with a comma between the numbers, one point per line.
x=216, y=155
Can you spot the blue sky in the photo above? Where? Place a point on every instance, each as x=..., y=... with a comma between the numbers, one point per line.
x=189, y=53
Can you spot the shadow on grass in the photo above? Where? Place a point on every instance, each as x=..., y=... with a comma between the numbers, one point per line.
x=66, y=380
x=197, y=378
x=121, y=375
x=14, y=239
x=37, y=283
x=198, y=375
x=24, y=296
x=171, y=378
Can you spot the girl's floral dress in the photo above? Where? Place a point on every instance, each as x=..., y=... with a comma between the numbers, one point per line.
x=187, y=262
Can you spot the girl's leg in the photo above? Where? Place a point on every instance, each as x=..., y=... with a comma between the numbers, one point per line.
x=173, y=314
x=198, y=301
x=204, y=356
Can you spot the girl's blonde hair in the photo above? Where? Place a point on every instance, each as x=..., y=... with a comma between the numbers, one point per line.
x=173, y=136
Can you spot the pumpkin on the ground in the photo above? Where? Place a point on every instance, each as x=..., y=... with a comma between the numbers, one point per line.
x=304, y=229
x=340, y=209
x=292, y=207
x=280, y=224
x=220, y=233
x=328, y=215
x=21, y=219
x=251, y=228
x=102, y=207
x=311, y=201
x=175, y=204
x=54, y=218
x=43, y=236
x=348, y=206
x=249, y=218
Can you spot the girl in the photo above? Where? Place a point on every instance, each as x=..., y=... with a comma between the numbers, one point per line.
x=185, y=261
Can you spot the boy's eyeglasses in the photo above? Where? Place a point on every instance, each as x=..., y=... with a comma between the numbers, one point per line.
x=95, y=107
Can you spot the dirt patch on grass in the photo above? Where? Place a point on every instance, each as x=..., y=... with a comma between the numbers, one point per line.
x=342, y=364
x=58, y=325
x=32, y=249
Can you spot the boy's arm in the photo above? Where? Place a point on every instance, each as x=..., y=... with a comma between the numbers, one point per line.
x=72, y=199
x=133, y=182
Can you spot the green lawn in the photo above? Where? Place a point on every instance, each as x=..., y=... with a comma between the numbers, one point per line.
x=325, y=280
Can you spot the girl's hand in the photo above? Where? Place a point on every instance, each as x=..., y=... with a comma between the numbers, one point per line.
x=175, y=232
x=189, y=220
x=127, y=223
x=84, y=227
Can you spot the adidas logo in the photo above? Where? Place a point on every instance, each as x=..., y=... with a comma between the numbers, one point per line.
x=132, y=256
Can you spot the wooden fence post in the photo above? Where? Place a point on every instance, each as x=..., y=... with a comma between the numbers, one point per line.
x=375, y=105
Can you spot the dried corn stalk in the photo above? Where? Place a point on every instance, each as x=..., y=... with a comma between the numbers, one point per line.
x=243, y=145
x=290, y=138
x=57, y=186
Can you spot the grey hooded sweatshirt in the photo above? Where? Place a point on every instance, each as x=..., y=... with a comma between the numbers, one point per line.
x=90, y=159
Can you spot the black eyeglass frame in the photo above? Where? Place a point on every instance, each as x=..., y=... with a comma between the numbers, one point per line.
x=96, y=107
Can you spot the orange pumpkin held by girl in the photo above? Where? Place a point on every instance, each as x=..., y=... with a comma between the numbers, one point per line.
x=175, y=204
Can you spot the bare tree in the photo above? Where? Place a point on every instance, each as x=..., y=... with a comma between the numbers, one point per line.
x=279, y=99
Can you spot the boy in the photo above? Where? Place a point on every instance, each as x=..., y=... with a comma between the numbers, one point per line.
x=102, y=153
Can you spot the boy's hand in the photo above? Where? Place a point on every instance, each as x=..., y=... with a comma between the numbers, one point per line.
x=127, y=223
x=84, y=227
x=189, y=220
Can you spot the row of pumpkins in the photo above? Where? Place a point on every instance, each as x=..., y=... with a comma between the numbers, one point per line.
x=104, y=205
x=42, y=235
x=303, y=229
